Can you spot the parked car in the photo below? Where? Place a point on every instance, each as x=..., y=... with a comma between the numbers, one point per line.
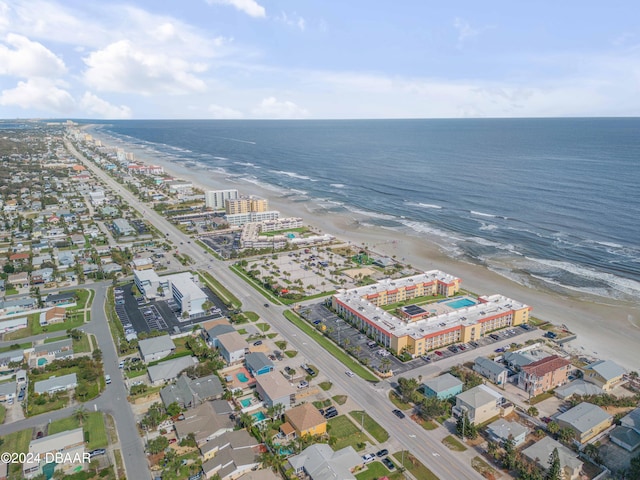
x=368, y=458
x=97, y=451
x=388, y=463
x=107, y=379
x=439, y=353
x=398, y=413
x=474, y=344
x=382, y=453
x=331, y=414
x=257, y=343
x=494, y=336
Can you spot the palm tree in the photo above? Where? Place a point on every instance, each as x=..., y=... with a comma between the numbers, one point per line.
x=80, y=414
x=246, y=420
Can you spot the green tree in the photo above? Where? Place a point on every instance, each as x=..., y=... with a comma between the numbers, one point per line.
x=406, y=387
x=555, y=469
x=158, y=444
x=173, y=409
x=80, y=414
x=553, y=427
x=565, y=435
x=533, y=411
x=509, y=459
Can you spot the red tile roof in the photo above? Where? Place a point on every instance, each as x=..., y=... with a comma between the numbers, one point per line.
x=546, y=365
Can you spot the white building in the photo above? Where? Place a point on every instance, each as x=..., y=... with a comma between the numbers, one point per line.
x=182, y=287
x=97, y=198
x=215, y=199
x=239, y=219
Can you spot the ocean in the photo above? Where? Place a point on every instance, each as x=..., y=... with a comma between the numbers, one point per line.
x=549, y=203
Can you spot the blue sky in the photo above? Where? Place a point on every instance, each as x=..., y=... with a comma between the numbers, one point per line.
x=318, y=59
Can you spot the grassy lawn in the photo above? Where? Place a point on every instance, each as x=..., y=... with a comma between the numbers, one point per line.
x=225, y=295
x=75, y=321
x=340, y=399
x=16, y=442
x=411, y=463
x=82, y=345
x=397, y=402
x=452, y=443
x=346, y=433
x=16, y=346
x=242, y=331
x=263, y=327
x=253, y=316
x=55, y=339
x=376, y=470
x=291, y=353
x=540, y=398
x=370, y=425
x=325, y=385
x=335, y=351
x=483, y=468
x=3, y=411
x=135, y=373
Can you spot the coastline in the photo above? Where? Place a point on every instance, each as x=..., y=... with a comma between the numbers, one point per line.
x=604, y=330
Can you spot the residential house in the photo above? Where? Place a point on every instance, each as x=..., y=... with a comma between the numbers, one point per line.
x=66, y=258
x=627, y=434
x=232, y=347
x=19, y=280
x=586, y=420
x=540, y=453
x=204, y=422
x=13, y=324
x=502, y=430
x=42, y=354
x=142, y=263
x=232, y=463
x=442, y=387
x=169, y=369
x=70, y=443
x=7, y=391
x=188, y=392
x=319, y=460
x=123, y=227
x=274, y=389
x=544, y=375
x=20, y=258
x=258, y=363
x=155, y=348
x=234, y=440
x=17, y=305
x=9, y=359
x=42, y=275
x=604, y=373
x=495, y=372
x=577, y=387
x=479, y=403
x=211, y=335
x=56, y=384
x=62, y=298
x=53, y=315
x=305, y=419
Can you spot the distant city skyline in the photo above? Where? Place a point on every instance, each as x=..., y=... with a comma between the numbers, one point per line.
x=273, y=59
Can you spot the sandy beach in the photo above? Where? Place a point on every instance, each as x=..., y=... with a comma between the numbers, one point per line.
x=605, y=329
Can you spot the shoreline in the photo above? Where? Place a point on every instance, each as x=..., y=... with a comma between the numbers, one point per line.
x=605, y=330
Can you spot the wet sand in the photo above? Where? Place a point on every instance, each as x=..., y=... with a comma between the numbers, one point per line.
x=607, y=329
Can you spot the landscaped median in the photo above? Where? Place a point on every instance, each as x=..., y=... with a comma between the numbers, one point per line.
x=331, y=347
x=225, y=295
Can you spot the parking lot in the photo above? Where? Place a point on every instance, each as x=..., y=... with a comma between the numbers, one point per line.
x=362, y=347
x=138, y=315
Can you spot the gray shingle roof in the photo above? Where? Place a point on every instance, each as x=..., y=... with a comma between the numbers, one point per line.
x=152, y=345
x=257, y=360
x=606, y=369
x=584, y=416
x=490, y=365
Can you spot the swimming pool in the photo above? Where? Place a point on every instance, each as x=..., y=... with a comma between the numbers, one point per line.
x=460, y=303
x=242, y=377
x=259, y=416
x=245, y=402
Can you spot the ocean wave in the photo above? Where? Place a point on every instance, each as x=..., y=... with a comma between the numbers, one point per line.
x=422, y=227
x=623, y=285
x=220, y=158
x=267, y=186
x=487, y=227
x=424, y=205
x=482, y=214
x=245, y=164
x=291, y=174
x=337, y=185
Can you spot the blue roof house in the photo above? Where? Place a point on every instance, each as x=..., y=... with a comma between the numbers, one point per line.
x=442, y=387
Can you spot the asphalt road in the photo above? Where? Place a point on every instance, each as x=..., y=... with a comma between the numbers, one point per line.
x=373, y=400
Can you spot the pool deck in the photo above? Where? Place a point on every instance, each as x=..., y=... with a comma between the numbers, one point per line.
x=235, y=384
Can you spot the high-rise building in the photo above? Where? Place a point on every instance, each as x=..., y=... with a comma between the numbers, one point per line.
x=216, y=199
x=246, y=205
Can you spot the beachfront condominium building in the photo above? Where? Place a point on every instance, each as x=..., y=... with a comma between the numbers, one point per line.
x=239, y=219
x=246, y=205
x=216, y=199
x=422, y=329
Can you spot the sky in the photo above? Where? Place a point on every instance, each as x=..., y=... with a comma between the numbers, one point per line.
x=318, y=59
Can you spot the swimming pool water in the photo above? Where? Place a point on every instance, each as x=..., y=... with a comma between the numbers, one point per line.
x=245, y=402
x=460, y=303
x=242, y=377
x=259, y=416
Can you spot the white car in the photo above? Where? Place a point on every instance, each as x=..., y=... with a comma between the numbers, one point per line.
x=349, y=373
x=368, y=458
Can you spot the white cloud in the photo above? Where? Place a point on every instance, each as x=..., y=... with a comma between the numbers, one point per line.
x=28, y=59
x=465, y=30
x=250, y=7
x=294, y=20
x=40, y=94
x=95, y=105
x=122, y=67
x=222, y=113
x=271, y=107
